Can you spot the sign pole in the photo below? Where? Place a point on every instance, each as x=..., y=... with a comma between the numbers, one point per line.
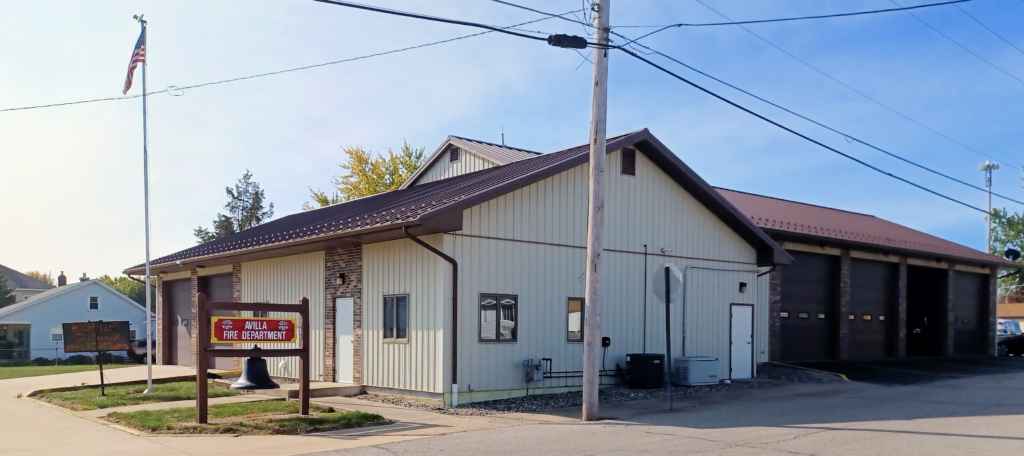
x=99, y=360
x=203, y=340
x=668, y=340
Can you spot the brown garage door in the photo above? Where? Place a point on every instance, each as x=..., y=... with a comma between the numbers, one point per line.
x=179, y=322
x=218, y=288
x=807, y=318
x=873, y=296
x=970, y=310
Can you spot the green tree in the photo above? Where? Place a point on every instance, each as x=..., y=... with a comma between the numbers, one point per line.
x=367, y=173
x=133, y=290
x=245, y=209
x=7, y=296
x=42, y=276
x=1008, y=233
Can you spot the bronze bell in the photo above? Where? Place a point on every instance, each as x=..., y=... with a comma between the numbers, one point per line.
x=255, y=374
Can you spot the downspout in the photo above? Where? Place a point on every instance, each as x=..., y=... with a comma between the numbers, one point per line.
x=455, y=311
x=683, y=291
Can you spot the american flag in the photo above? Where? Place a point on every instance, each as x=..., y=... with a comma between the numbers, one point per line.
x=138, y=55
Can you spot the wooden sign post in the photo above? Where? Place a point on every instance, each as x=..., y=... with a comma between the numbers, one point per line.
x=272, y=334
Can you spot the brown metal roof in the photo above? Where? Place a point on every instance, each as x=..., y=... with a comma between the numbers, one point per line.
x=784, y=218
x=501, y=154
x=426, y=203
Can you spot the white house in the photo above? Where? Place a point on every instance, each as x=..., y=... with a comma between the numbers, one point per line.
x=34, y=325
x=24, y=286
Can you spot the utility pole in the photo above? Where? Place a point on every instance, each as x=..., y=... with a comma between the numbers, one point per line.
x=987, y=169
x=595, y=222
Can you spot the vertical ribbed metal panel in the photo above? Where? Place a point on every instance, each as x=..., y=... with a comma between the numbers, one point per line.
x=286, y=280
x=223, y=269
x=647, y=209
x=442, y=169
x=403, y=267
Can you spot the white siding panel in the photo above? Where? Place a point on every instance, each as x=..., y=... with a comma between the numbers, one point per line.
x=403, y=267
x=222, y=269
x=442, y=169
x=531, y=243
x=286, y=280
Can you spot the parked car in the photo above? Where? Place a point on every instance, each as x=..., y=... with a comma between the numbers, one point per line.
x=137, y=351
x=1009, y=339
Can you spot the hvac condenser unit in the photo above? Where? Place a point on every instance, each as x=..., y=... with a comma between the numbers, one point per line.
x=645, y=370
x=695, y=370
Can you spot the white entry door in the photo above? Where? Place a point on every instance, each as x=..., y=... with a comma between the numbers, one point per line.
x=343, y=332
x=742, y=351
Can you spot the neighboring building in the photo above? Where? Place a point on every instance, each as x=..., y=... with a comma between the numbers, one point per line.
x=866, y=288
x=1012, y=311
x=24, y=286
x=34, y=325
x=515, y=224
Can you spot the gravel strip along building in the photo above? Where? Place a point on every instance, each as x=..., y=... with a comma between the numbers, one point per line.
x=866, y=288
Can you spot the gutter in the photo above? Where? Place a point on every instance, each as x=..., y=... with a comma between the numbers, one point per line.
x=455, y=310
x=153, y=285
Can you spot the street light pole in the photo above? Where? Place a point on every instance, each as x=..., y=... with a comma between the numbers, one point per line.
x=987, y=168
x=595, y=222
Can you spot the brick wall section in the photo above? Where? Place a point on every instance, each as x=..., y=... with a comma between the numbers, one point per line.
x=348, y=261
x=901, y=316
x=949, y=310
x=843, y=346
x=993, y=295
x=236, y=296
x=159, y=330
x=774, y=307
x=193, y=333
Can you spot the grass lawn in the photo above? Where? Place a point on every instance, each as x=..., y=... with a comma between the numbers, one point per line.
x=36, y=371
x=120, y=395
x=266, y=417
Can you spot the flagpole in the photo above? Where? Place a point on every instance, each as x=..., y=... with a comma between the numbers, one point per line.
x=145, y=183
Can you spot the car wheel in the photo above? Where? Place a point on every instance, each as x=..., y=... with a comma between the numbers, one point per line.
x=1002, y=350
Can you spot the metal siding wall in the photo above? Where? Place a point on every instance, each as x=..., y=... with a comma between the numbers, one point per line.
x=176, y=275
x=224, y=269
x=649, y=208
x=402, y=267
x=443, y=169
x=286, y=280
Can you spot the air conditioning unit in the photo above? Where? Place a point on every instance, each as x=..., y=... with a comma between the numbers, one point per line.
x=645, y=370
x=695, y=370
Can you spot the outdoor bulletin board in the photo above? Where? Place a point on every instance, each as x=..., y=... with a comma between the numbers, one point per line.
x=96, y=336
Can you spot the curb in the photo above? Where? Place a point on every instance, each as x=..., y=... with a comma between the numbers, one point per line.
x=812, y=370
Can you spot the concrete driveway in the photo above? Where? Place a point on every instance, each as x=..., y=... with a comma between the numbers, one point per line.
x=977, y=415
x=30, y=428
x=911, y=371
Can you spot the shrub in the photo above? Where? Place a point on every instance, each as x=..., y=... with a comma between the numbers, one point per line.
x=40, y=361
x=78, y=359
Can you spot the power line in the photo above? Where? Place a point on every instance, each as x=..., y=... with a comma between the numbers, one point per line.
x=990, y=30
x=394, y=12
x=845, y=135
x=862, y=94
x=807, y=138
x=174, y=89
x=926, y=24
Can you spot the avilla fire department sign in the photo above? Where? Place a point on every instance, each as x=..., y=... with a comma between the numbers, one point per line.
x=252, y=329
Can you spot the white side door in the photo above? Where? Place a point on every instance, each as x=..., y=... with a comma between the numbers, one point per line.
x=343, y=332
x=742, y=334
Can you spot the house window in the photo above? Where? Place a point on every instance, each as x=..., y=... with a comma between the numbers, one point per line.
x=260, y=314
x=629, y=162
x=133, y=335
x=56, y=333
x=453, y=154
x=396, y=317
x=575, y=326
x=94, y=303
x=498, y=317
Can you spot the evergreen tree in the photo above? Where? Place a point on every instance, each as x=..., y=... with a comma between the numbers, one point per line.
x=245, y=209
x=7, y=296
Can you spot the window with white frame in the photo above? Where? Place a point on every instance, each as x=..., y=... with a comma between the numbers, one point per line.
x=56, y=333
x=498, y=317
x=94, y=303
x=396, y=317
x=574, y=327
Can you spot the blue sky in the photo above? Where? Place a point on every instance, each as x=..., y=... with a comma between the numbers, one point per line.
x=71, y=187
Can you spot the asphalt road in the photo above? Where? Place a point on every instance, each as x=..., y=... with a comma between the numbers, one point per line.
x=912, y=371
x=946, y=415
